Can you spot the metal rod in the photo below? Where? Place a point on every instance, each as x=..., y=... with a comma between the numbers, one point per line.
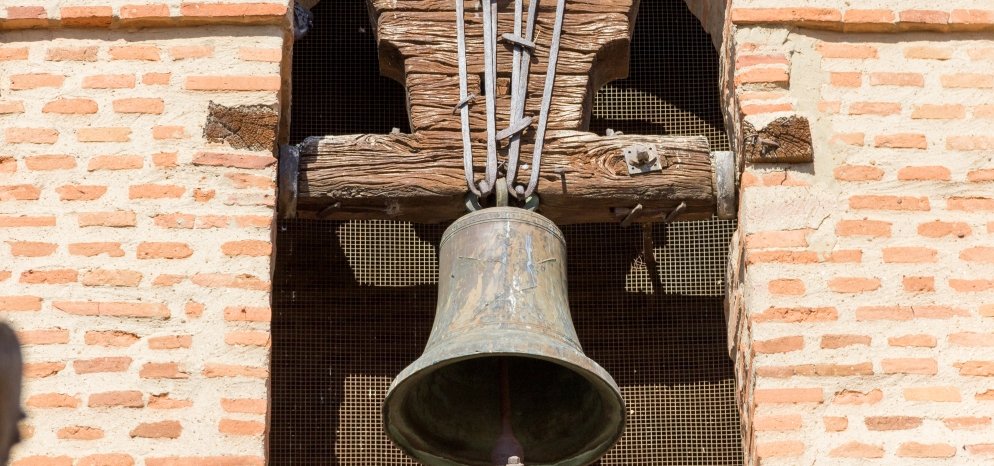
x=467, y=144
x=519, y=92
x=543, y=118
x=490, y=83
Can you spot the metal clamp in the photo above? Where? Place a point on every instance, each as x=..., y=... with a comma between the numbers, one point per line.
x=517, y=40
x=642, y=158
x=515, y=128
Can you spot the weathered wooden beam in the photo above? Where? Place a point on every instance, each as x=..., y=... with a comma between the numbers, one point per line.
x=584, y=178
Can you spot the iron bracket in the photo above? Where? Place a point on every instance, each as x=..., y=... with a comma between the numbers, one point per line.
x=643, y=158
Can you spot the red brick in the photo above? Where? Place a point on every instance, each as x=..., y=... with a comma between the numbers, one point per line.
x=788, y=395
x=939, y=112
x=923, y=173
x=9, y=107
x=783, y=423
x=155, y=191
x=110, y=338
x=156, y=79
x=203, y=195
x=8, y=164
x=115, y=162
x=253, y=221
x=783, y=257
x=103, y=134
x=193, y=309
x=844, y=50
x=275, y=55
x=872, y=228
x=156, y=11
x=247, y=248
x=50, y=336
x=20, y=303
x=835, y=423
x=918, y=284
x=31, y=135
x=874, y=108
x=163, y=401
x=106, y=364
x=50, y=162
x=970, y=143
x=853, y=284
x=19, y=192
x=85, y=54
x=139, y=105
x=763, y=75
x=232, y=370
x=26, y=12
x=49, y=276
x=798, y=314
x=170, y=342
x=233, y=160
x=982, y=254
x=168, y=132
x=95, y=249
x=968, y=80
x=909, y=255
x=43, y=461
x=247, y=314
x=40, y=370
x=233, y=83
x=124, y=399
x=80, y=433
x=901, y=141
x=164, y=159
x=933, y=17
x=980, y=176
x=80, y=192
x=237, y=427
x=778, y=345
x=920, y=341
x=161, y=429
x=205, y=461
x=841, y=341
x=786, y=287
x=181, y=52
x=967, y=423
x=31, y=248
x=970, y=204
x=981, y=53
x=892, y=422
x=86, y=16
x=248, y=338
x=846, y=79
x=13, y=53
x=981, y=449
x=164, y=251
x=857, y=450
x=52, y=400
x=971, y=339
x=852, y=397
x=218, y=280
x=884, y=313
x=162, y=370
x=778, y=239
x=781, y=448
x=105, y=277
x=119, y=309
x=976, y=368
x=114, y=219
x=246, y=405
x=109, y=81
x=107, y=459
x=925, y=450
x=904, y=203
x=35, y=81
x=71, y=106
x=939, y=229
x=244, y=180
x=135, y=52
x=966, y=286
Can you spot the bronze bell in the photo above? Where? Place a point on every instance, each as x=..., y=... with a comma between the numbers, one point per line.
x=503, y=374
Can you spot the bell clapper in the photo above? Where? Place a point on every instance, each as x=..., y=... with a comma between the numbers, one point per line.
x=507, y=450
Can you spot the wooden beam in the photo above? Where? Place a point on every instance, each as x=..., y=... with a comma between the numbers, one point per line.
x=584, y=178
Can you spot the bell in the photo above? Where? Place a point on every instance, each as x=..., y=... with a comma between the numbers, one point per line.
x=503, y=374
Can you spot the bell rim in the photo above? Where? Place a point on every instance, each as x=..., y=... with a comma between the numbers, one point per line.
x=593, y=372
x=497, y=214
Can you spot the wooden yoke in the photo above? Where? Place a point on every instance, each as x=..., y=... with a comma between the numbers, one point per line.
x=419, y=176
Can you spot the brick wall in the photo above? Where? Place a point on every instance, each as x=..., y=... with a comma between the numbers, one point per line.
x=863, y=324
x=135, y=253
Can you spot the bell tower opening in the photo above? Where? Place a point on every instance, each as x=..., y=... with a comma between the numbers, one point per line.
x=354, y=301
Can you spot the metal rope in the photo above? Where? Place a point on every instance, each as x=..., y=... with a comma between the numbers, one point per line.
x=464, y=98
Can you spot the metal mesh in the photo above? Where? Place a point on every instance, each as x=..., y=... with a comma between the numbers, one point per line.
x=672, y=85
x=354, y=303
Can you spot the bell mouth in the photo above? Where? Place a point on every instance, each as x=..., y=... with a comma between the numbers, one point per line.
x=447, y=412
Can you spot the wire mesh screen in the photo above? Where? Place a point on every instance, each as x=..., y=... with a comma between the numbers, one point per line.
x=337, y=87
x=672, y=84
x=354, y=304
